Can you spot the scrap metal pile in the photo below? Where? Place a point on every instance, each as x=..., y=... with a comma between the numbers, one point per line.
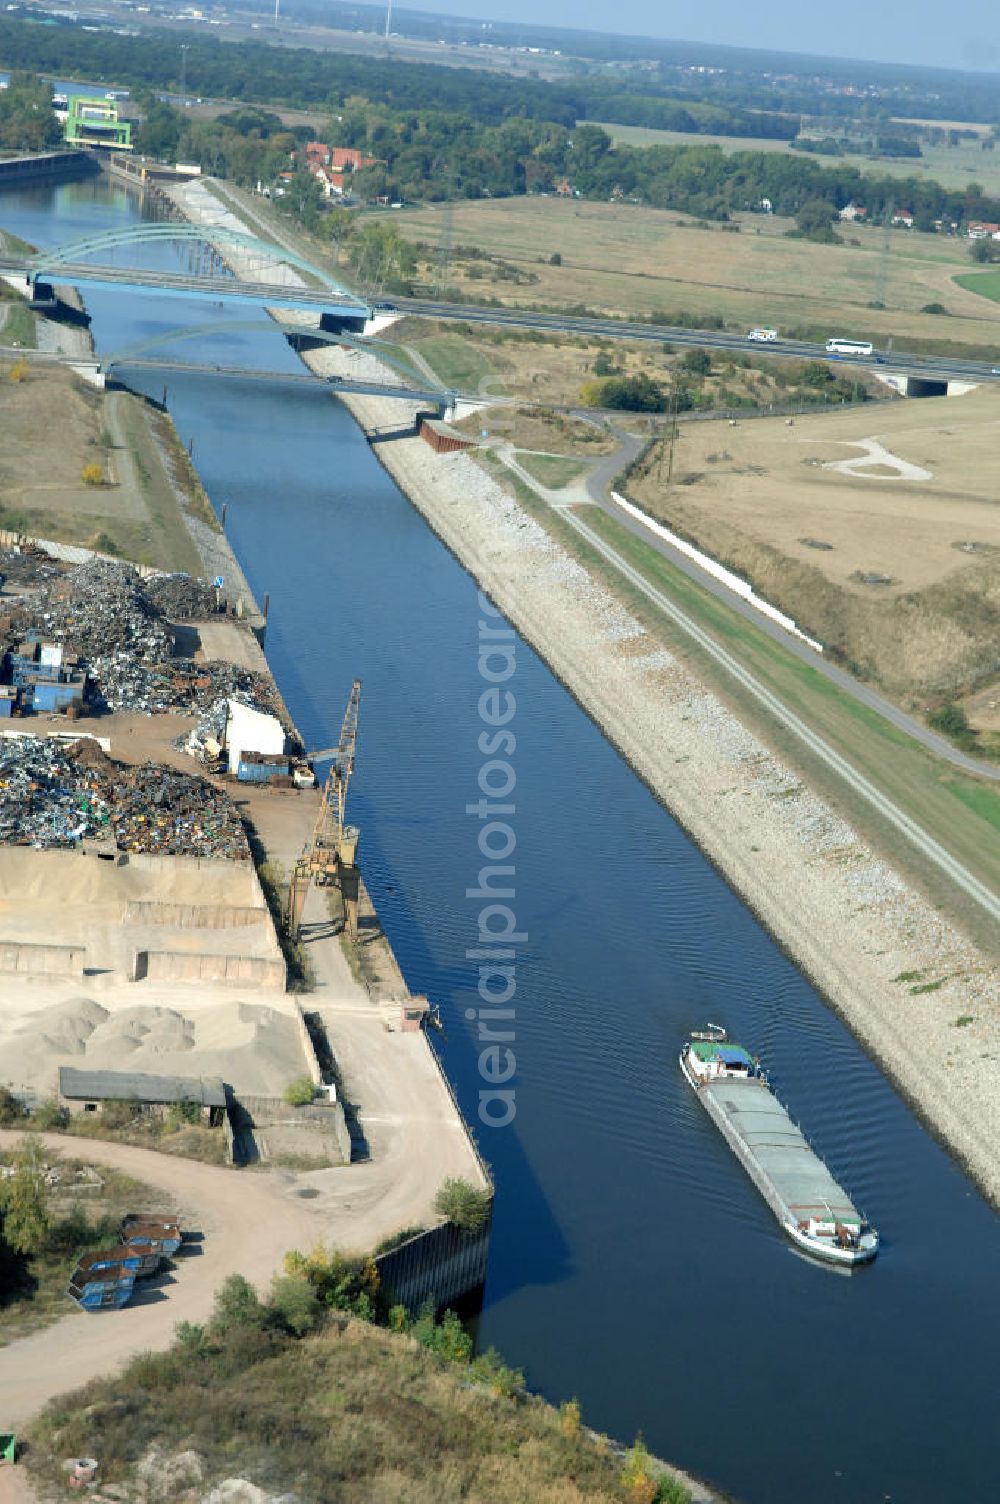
x=180, y=597
x=179, y=684
x=118, y=623
x=54, y=795
x=28, y=566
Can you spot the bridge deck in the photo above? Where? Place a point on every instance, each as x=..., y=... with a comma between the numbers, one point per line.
x=180, y=284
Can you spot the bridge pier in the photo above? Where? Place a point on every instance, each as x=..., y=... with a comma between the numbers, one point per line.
x=90, y=372
x=925, y=386
x=338, y=323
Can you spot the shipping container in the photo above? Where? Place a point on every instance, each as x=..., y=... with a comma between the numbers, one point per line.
x=261, y=768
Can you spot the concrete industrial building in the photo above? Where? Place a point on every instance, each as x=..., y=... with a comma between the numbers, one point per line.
x=84, y=1091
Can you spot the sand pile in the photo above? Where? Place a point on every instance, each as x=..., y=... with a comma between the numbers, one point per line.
x=255, y=1049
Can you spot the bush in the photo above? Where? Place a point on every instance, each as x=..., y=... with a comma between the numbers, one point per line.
x=92, y=474
x=300, y=1092
x=447, y=1337
x=982, y=251
x=555, y=259
x=815, y=221
x=19, y=371
x=294, y=1304
x=346, y=1284
x=24, y=1200
x=463, y=1205
x=490, y=1369
x=570, y=1418
x=672, y=1491
x=698, y=362
x=103, y=543
x=11, y=1109
x=236, y=1305
x=951, y=720
x=50, y=1117
x=934, y=308
x=70, y=1233
x=634, y=394
x=182, y=1115
x=121, y=1114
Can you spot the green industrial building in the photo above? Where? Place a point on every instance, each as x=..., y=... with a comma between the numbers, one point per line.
x=94, y=122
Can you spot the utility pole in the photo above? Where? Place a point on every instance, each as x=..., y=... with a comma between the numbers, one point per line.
x=443, y=267
x=184, y=59
x=882, y=279
x=388, y=19
x=673, y=437
x=277, y=6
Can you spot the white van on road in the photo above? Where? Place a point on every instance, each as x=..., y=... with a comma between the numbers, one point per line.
x=765, y=336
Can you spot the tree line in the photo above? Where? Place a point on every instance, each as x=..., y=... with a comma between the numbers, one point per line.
x=301, y=76
x=26, y=119
x=440, y=133
x=434, y=154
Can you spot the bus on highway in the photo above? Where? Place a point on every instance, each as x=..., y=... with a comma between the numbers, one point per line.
x=849, y=347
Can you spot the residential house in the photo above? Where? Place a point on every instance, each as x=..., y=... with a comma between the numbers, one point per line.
x=332, y=166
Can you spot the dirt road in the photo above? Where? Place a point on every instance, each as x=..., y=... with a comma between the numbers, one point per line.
x=248, y=1221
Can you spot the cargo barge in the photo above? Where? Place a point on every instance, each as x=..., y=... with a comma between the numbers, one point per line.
x=809, y=1204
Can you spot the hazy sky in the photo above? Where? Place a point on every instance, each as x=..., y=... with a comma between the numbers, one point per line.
x=956, y=34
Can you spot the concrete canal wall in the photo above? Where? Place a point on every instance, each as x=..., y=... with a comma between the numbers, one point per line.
x=443, y=1264
x=46, y=165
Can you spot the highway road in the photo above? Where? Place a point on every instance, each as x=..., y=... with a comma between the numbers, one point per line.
x=930, y=366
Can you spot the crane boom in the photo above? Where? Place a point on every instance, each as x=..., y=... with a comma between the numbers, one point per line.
x=329, y=856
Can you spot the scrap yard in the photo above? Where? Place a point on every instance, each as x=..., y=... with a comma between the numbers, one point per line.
x=179, y=904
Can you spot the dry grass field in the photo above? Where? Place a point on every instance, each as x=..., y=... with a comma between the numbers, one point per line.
x=132, y=511
x=899, y=573
x=951, y=166
x=631, y=261
x=553, y=368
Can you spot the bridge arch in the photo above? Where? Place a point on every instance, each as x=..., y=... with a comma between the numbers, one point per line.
x=386, y=353
x=74, y=251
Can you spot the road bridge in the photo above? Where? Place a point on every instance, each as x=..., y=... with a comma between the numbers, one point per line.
x=270, y=272
x=269, y=279
x=427, y=396
x=97, y=370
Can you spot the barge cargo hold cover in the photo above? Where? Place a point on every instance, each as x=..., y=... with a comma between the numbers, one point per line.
x=815, y=1212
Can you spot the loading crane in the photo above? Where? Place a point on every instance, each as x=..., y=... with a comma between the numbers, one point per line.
x=330, y=856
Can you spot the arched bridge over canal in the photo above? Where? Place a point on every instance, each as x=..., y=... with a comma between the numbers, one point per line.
x=269, y=275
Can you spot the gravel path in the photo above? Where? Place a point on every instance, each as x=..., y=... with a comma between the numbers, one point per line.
x=248, y=1220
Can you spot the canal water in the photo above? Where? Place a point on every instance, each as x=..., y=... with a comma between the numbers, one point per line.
x=633, y=1265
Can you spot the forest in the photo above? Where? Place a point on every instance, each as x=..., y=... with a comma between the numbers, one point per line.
x=440, y=133
x=435, y=155
x=306, y=77
x=26, y=119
